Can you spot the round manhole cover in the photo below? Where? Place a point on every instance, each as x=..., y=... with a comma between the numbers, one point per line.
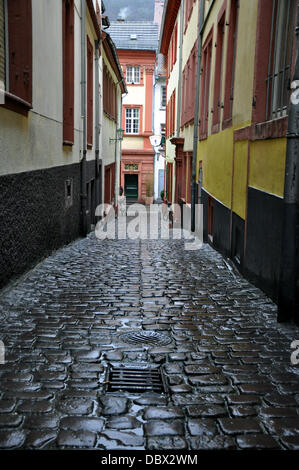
x=145, y=337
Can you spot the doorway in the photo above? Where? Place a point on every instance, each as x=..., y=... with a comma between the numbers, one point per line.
x=131, y=186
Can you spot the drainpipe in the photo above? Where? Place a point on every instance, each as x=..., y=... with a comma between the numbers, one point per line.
x=98, y=188
x=289, y=254
x=83, y=116
x=194, y=185
x=116, y=161
x=117, y=154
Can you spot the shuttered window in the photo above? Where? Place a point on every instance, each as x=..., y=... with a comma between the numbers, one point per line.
x=68, y=70
x=218, y=72
x=109, y=94
x=205, y=85
x=230, y=63
x=16, y=55
x=189, y=88
x=20, y=48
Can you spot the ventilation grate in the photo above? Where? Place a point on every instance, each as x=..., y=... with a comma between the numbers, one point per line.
x=135, y=380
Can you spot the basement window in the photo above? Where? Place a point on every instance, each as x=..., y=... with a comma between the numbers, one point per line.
x=69, y=193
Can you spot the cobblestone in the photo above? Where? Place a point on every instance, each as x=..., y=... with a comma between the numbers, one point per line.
x=230, y=380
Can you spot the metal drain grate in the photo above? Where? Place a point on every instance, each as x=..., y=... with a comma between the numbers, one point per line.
x=135, y=380
x=146, y=337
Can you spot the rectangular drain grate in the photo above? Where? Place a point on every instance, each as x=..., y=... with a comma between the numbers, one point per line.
x=135, y=380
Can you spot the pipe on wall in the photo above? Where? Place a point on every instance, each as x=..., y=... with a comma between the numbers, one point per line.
x=98, y=191
x=84, y=120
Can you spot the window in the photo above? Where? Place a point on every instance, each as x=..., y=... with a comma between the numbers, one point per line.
x=16, y=54
x=205, y=85
x=109, y=94
x=273, y=62
x=280, y=58
x=188, y=11
x=133, y=74
x=132, y=120
x=162, y=129
x=170, y=115
x=218, y=73
x=163, y=96
x=230, y=63
x=68, y=70
x=189, y=88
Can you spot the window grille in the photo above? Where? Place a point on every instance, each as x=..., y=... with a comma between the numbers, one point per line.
x=280, y=58
x=163, y=100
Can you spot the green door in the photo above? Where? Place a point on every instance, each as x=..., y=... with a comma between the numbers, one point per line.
x=131, y=186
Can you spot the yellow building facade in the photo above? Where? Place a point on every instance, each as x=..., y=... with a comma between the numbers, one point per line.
x=246, y=63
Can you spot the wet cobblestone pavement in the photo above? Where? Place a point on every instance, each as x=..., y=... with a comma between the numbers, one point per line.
x=230, y=381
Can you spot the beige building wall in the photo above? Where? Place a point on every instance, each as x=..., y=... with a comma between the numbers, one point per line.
x=35, y=142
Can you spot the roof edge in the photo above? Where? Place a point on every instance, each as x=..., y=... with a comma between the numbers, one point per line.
x=110, y=46
x=94, y=19
x=171, y=8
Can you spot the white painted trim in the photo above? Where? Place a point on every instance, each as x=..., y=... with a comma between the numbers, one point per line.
x=220, y=202
x=266, y=192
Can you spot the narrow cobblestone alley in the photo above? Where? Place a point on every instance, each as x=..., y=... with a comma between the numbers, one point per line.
x=230, y=382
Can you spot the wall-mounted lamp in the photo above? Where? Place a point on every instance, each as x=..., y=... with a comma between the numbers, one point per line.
x=119, y=135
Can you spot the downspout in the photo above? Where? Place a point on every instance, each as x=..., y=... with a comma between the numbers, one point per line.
x=83, y=116
x=288, y=288
x=98, y=189
x=117, y=155
x=194, y=185
x=116, y=161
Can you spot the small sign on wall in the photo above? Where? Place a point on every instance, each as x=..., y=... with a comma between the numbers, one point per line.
x=131, y=167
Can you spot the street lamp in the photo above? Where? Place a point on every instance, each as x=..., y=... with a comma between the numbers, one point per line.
x=119, y=135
